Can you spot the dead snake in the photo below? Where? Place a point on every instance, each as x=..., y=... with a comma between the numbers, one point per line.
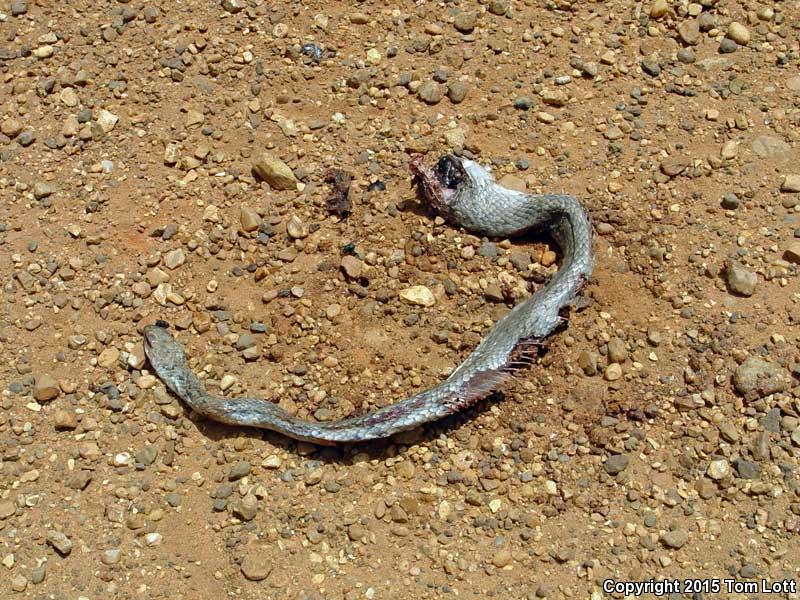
x=466, y=194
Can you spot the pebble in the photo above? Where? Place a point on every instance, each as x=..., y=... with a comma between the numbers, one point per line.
x=465, y=21
x=730, y=201
x=431, y=92
x=249, y=219
x=107, y=120
x=42, y=189
x=719, y=469
x=418, y=295
x=59, y=541
x=759, y=378
x=617, y=352
x=738, y=33
x=740, y=280
x=174, y=258
x=747, y=469
x=274, y=171
x=675, y=539
x=771, y=147
x=457, y=91
x=616, y=464
x=11, y=127
x=256, y=566
x=689, y=31
x=239, y=470
x=246, y=508
x=612, y=372
x=7, y=509
x=352, y=266
x=791, y=184
x=659, y=9
x=18, y=7
x=728, y=46
x=295, y=228
x=792, y=253
x=233, y=6
x=227, y=382
x=45, y=388
x=674, y=165
x=502, y=558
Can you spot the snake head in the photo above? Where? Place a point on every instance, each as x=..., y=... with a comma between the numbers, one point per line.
x=438, y=185
x=159, y=345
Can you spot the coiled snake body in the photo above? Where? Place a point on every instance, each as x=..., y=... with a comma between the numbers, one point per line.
x=466, y=194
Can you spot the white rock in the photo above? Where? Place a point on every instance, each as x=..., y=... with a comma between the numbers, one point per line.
x=419, y=295
x=107, y=120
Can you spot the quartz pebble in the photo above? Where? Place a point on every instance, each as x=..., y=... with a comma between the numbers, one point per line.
x=275, y=172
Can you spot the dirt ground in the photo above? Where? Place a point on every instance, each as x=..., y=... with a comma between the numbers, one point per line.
x=167, y=160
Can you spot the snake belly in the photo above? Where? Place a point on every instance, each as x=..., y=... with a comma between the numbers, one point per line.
x=466, y=195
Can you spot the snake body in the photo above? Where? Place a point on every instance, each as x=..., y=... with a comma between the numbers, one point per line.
x=466, y=194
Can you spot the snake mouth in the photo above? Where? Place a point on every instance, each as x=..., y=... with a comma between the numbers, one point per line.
x=437, y=185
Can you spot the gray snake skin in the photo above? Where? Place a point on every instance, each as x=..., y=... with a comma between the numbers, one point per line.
x=465, y=193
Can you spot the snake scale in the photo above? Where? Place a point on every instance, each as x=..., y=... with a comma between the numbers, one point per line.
x=465, y=194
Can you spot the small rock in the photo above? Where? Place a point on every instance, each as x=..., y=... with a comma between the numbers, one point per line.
x=738, y=33
x=613, y=372
x=352, y=266
x=747, y=469
x=431, y=92
x=246, y=508
x=791, y=184
x=616, y=464
x=194, y=117
x=674, y=165
x=493, y=293
x=651, y=67
x=658, y=9
x=771, y=147
x=59, y=541
x=45, y=388
x=457, y=91
x=7, y=509
x=792, y=253
x=728, y=46
x=465, y=21
x=502, y=558
x=239, y=470
x=675, y=539
x=19, y=583
x=295, y=228
x=233, y=6
x=275, y=172
x=19, y=7
x=740, y=280
x=174, y=258
x=689, y=31
x=107, y=120
x=617, y=352
x=171, y=154
x=758, y=378
x=418, y=295
x=41, y=190
x=613, y=132
x=256, y=566
x=249, y=219
x=587, y=361
x=108, y=357
x=730, y=201
x=11, y=127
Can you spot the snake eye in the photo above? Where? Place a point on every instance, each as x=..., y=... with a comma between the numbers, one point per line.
x=449, y=172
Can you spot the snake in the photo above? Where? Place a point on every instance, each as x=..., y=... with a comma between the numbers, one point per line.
x=464, y=193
